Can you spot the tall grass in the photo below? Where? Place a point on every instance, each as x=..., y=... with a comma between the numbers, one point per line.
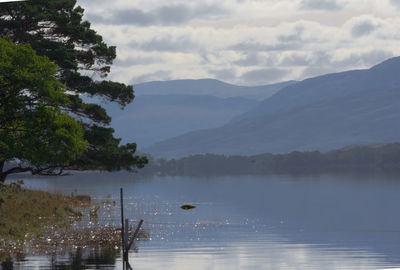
x=27, y=213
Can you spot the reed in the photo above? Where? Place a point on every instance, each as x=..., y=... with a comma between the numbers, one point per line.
x=28, y=213
x=37, y=222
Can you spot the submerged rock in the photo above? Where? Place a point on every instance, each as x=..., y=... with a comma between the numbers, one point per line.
x=187, y=206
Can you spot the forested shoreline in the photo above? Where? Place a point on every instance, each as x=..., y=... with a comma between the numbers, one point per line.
x=381, y=157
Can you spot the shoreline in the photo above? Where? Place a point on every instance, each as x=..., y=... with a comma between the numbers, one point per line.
x=28, y=215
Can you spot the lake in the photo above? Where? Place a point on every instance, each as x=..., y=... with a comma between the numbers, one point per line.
x=240, y=222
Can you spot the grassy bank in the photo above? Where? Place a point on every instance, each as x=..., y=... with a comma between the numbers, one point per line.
x=26, y=214
x=24, y=211
x=41, y=223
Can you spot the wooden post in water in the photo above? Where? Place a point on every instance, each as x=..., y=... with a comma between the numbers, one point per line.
x=126, y=244
x=129, y=243
x=122, y=228
x=135, y=235
x=126, y=234
x=126, y=239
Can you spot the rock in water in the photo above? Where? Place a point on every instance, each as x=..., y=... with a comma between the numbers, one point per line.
x=187, y=206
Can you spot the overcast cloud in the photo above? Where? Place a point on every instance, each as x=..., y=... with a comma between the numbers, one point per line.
x=175, y=14
x=321, y=4
x=244, y=42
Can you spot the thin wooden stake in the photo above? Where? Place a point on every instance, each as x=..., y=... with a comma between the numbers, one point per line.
x=122, y=228
x=126, y=235
x=126, y=253
x=135, y=235
x=126, y=244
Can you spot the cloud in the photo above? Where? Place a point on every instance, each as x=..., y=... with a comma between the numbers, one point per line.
x=167, y=44
x=244, y=41
x=362, y=59
x=224, y=74
x=135, y=61
x=260, y=76
x=256, y=59
x=396, y=3
x=250, y=46
x=293, y=37
x=160, y=75
x=250, y=59
x=296, y=59
x=363, y=26
x=320, y=5
x=175, y=14
x=324, y=63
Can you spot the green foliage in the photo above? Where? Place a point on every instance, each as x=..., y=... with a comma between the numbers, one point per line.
x=32, y=126
x=105, y=153
x=55, y=29
x=53, y=138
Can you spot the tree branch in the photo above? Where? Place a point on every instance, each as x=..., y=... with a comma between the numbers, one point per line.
x=48, y=171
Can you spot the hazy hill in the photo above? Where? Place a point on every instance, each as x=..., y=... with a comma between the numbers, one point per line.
x=152, y=118
x=321, y=113
x=208, y=87
x=163, y=110
x=328, y=87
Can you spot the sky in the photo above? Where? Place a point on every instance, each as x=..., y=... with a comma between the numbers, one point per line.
x=244, y=42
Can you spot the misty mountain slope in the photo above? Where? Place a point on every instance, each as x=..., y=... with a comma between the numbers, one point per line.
x=152, y=118
x=369, y=114
x=163, y=110
x=329, y=86
x=208, y=87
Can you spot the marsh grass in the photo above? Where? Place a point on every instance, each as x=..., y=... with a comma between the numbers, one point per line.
x=28, y=213
x=41, y=223
x=24, y=211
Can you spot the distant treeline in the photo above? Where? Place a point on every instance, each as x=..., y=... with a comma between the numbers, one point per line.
x=384, y=157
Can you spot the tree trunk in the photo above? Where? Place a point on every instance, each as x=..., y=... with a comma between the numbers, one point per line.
x=3, y=175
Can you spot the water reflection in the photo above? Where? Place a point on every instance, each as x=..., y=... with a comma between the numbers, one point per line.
x=269, y=222
x=258, y=255
x=78, y=258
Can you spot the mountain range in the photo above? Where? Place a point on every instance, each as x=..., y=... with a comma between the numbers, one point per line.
x=163, y=110
x=321, y=113
x=208, y=87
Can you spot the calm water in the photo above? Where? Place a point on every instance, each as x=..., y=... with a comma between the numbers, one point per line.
x=246, y=222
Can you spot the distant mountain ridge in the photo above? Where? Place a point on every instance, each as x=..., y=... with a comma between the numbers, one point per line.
x=152, y=118
x=163, y=110
x=209, y=87
x=322, y=113
x=328, y=87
